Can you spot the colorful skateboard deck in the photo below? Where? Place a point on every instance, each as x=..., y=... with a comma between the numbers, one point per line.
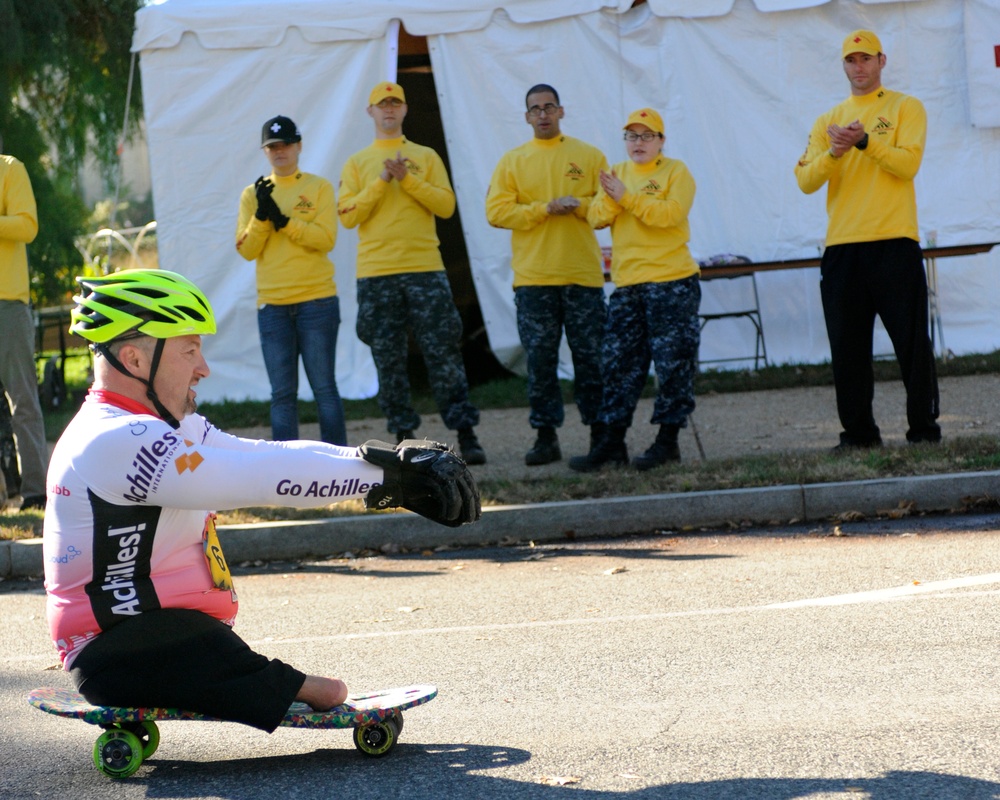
x=131, y=734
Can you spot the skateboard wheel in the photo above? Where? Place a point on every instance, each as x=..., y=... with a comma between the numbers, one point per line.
x=377, y=740
x=118, y=753
x=147, y=733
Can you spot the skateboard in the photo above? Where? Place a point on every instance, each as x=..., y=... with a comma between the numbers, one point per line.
x=131, y=735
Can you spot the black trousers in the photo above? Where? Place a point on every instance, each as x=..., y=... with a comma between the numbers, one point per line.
x=184, y=659
x=884, y=278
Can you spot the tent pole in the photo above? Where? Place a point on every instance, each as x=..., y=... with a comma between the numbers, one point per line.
x=121, y=148
x=392, y=51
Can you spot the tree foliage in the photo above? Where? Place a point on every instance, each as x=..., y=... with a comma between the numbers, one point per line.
x=64, y=72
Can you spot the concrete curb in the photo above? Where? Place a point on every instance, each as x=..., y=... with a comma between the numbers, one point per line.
x=614, y=516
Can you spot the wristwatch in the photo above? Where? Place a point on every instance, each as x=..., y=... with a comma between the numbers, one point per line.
x=863, y=143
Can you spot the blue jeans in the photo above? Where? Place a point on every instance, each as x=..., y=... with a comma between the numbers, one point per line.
x=309, y=330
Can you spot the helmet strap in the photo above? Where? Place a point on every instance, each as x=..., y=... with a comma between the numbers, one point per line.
x=105, y=351
x=169, y=418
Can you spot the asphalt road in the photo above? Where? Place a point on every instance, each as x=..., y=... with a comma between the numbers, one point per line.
x=858, y=661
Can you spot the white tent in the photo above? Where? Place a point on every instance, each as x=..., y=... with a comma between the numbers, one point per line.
x=739, y=83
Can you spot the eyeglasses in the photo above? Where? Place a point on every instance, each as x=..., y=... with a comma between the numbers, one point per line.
x=389, y=102
x=548, y=108
x=647, y=136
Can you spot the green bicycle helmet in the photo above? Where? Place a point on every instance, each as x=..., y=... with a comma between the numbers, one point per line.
x=149, y=302
x=154, y=302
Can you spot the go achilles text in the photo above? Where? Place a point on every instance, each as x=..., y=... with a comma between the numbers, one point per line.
x=147, y=467
x=315, y=489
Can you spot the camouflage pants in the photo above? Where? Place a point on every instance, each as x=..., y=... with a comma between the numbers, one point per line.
x=388, y=309
x=655, y=322
x=543, y=312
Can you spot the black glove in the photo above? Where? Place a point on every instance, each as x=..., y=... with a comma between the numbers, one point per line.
x=274, y=214
x=425, y=477
x=262, y=188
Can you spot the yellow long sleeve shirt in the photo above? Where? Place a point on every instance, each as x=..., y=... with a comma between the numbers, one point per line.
x=396, y=225
x=649, y=226
x=18, y=228
x=293, y=265
x=548, y=250
x=870, y=195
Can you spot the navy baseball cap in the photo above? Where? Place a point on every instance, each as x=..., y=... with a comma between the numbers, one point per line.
x=279, y=129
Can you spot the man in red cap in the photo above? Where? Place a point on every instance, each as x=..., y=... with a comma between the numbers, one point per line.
x=392, y=191
x=867, y=150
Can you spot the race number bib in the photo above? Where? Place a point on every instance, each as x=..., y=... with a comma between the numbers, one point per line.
x=222, y=578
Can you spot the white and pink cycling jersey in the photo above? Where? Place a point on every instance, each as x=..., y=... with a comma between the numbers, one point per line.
x=127, y=522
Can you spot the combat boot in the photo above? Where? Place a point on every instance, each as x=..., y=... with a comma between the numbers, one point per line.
x=545, y=450
x=596, y=433
x=662, y=450
x=470, y=448
x=607, y=447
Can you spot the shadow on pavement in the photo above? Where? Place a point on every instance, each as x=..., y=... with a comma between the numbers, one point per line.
x=451, y=772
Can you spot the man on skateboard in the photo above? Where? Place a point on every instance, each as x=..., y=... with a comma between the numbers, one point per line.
x=140, y=599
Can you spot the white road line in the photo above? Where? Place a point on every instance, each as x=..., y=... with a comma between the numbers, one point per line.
x=881, y=595
x=875, y=596
x=942, y=588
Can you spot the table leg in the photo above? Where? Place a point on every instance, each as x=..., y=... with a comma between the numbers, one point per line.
x=933, y=307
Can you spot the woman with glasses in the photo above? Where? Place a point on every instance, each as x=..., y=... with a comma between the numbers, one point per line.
x=653, y=311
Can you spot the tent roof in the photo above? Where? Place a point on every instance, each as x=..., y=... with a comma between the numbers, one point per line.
x=232, y=24
x=239, y=24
